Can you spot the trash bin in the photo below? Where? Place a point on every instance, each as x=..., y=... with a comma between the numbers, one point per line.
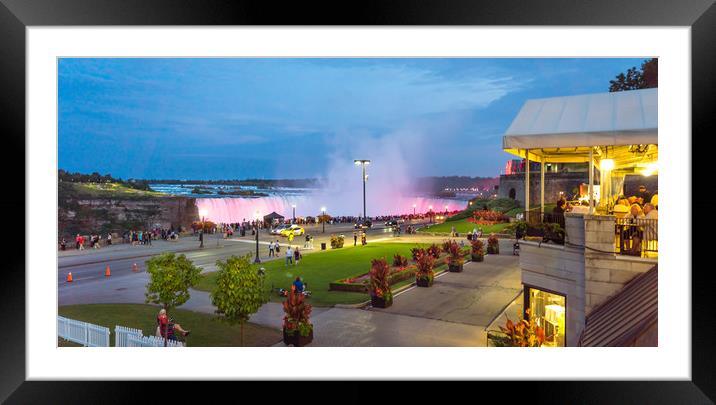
x=323, y=245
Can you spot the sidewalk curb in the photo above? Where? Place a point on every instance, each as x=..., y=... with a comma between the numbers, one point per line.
x=130, y=257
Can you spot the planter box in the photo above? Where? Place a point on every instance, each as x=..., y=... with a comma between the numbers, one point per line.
x=493, y=251
x=296, y=339
x=477, y=258
x=423, y=282
x=455, y=268
x=379, y=302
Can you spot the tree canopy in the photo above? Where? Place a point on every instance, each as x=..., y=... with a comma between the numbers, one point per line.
x=644, y=78
x=171, y=276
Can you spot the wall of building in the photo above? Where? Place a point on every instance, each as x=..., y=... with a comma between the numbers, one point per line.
x=559, y=269
x=554, y=184
x=586, y=269
x=606, y=272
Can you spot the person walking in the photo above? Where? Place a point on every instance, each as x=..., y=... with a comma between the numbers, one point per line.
x=271, y=249
x=296, y=256
x=289, y=256
x=355, y=238
x=277, y=247
x=109, y=239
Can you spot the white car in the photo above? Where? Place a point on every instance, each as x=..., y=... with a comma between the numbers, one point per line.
x=277, y=230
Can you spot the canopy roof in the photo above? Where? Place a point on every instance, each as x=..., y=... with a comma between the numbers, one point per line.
x=563, y=129
x=273, y=216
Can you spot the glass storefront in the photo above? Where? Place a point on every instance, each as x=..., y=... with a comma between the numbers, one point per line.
x=548, y=311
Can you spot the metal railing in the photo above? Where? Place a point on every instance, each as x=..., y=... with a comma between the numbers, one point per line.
x=637, y=236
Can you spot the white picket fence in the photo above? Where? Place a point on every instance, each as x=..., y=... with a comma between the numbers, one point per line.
x=83, y=333
x=122, y=333
x=91, y=335
x=150, y=341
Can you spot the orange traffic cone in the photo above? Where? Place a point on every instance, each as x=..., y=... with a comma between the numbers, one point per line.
x=107, y=273
x=135, y=268
x=69, y=277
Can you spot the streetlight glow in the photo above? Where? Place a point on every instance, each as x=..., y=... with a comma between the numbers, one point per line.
x=363, y=163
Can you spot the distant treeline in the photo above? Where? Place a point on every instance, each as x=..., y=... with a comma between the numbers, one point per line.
x=260, y=183
x=95, y=177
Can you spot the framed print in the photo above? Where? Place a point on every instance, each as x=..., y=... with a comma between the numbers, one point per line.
x=464, y=192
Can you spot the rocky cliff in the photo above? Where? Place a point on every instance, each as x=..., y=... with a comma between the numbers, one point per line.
x=85, y=212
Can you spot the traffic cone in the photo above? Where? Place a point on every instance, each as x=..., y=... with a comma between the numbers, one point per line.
x=135, y=268
x=107, y=273
x=69, y=277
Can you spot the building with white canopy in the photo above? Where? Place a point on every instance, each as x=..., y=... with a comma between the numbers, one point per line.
x=616, y=134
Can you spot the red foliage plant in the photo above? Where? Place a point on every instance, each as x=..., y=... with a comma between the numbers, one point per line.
x=297, y=312
x=477, y=247
x=434, y=251
x=425, y=264
x=379, y=283
x=400, y=261
x=490, y=216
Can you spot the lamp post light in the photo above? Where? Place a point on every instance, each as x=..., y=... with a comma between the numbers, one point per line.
x=446, y=210
x=257, y=259
x=323, y=218
x=430, y=213
x=294, y=212
x=363, y=163
x=414, y=206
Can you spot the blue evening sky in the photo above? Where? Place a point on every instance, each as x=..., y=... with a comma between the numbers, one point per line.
x=287, y=118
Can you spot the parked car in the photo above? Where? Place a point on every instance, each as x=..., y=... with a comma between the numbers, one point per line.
x=279, y=229
x=391, y=224
x=364, y=224
x=295, y=229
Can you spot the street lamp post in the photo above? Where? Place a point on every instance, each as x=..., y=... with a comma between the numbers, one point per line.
x=294, y=212
x=430, y=213
x=446, y=210
x=257, y=259
x=323, y=218
x=414, y=206
x=363, y=163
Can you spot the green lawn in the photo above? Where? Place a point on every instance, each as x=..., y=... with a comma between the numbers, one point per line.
x=463, y=226
x=205, y=329
x=321, y=268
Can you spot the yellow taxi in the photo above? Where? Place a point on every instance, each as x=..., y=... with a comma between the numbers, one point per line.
x=293, y=229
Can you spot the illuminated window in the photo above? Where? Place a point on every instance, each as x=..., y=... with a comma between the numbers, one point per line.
x=548, y=311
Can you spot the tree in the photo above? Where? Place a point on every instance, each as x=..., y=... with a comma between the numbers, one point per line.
x=239, y=290
x=170, y=278
x=635, y=79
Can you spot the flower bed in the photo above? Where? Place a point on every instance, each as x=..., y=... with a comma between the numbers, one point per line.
x=359, y=282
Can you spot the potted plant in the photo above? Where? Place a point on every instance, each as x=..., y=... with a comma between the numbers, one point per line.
x=425, y=275
x=337, y=241
x=380, y=294
x=523, y=333
x=477, y=251
x=493, y=245
x=297, y=328
x=455, y=259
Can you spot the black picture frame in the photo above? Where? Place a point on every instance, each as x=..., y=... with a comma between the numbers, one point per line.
x=16, y=15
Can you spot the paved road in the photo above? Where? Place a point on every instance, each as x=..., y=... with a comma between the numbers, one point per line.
x=89, y=267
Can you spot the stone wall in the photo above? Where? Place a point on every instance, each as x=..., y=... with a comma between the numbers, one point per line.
x=606, y=273
x=554, y=183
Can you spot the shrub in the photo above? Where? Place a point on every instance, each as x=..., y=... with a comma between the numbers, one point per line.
x=400, y=261
x=434, y=251
x=454, y=253
x=417, y=252
x=424, y=265
x=521, y=334
x=379, y=283
x=477, y=248
x=502, y=204
x=297, y=315
x=493, y=245
x=337, y=241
